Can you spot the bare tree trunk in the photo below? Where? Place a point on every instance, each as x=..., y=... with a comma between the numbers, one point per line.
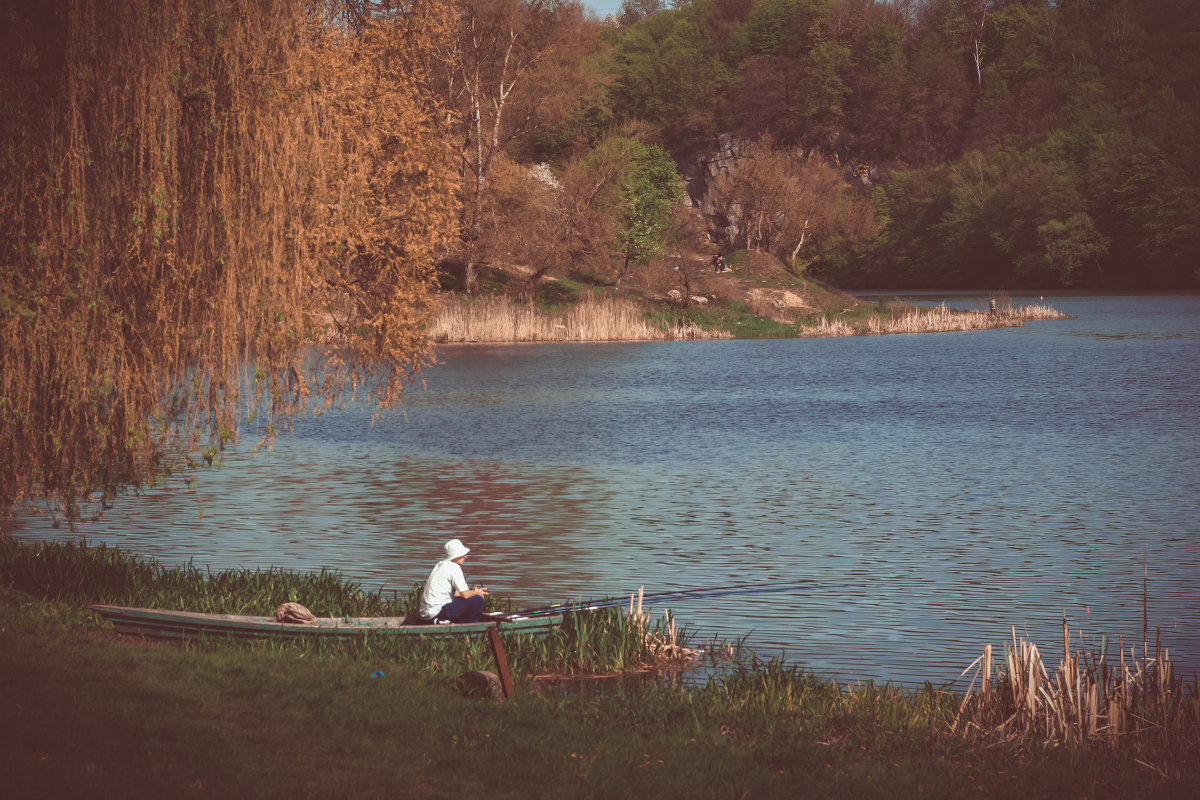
x=803, y=236
x=977, y=13
x=622, y=271
x=472, y=58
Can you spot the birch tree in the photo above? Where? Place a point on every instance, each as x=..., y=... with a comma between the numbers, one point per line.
x=501, y=51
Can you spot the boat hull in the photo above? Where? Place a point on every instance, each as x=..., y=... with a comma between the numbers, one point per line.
x=163, y=624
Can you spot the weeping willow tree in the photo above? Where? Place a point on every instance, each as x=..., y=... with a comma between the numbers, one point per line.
x=210, y=211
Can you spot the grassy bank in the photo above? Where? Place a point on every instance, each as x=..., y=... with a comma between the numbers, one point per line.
x=87, y=714
x=591, y=315
x=75, y=574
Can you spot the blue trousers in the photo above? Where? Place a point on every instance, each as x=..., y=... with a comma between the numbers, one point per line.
x=460, y=609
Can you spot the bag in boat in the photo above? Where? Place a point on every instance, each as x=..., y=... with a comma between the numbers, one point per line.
x=294, y=612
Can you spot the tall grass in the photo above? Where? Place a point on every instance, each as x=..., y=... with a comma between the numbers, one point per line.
x=1087, y=700
x=608, y=641
x=75, y=572
x=605, y=319
x=755, y=700
x=72, y=572
x=601, y=642
x=1036, y=312
x=602, y=319
x=938, y=319
x=826, y=327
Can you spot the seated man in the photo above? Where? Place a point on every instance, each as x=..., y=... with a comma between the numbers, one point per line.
x=446, y=597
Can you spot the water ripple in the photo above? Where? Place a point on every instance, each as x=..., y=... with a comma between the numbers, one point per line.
x=936, y=491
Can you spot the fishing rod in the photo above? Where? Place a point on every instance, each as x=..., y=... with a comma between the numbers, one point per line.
x=679, y=595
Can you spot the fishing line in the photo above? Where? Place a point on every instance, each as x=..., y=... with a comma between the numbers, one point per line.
x=683, y=594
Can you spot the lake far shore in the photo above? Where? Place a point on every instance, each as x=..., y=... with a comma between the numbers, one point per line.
x=753, y=296
x=498, y=319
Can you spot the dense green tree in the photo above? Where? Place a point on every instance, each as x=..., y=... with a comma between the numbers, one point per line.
x=649, y=190
x=632, y=187
x=1070, y=246
x=787, y=28
x=668, y=76
x=1082, y=166
x=634, y=10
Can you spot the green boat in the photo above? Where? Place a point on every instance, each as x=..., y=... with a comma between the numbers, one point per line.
x=156, y=623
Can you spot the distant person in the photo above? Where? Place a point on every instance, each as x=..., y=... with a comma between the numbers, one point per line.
x=446, y=597
x=992, y=306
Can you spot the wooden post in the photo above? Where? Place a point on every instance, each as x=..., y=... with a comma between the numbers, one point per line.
x=506, y=683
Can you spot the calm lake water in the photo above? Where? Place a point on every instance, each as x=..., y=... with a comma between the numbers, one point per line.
x=922, y=493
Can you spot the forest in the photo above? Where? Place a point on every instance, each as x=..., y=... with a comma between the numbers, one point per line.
x=198, y=192
x=999, y=143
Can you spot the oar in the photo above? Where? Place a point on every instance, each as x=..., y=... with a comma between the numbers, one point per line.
x=683, y=594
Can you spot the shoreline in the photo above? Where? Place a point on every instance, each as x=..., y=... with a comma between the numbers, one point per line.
x=88, y=708
x=498, y=320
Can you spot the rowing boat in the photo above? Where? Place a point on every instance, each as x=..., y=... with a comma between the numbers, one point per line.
x=161, y=624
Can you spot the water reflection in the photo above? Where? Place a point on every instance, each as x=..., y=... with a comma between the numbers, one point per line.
x=932, y=490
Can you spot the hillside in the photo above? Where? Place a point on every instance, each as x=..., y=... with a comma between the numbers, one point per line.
x=755, y=283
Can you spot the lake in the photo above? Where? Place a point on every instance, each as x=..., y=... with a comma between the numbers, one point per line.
x=919, y=494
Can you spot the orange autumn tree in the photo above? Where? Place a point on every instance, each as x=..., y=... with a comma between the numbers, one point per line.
x=196, y=193
x=785, y=201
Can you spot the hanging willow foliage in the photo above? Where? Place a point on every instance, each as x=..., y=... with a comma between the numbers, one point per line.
x=209, y=209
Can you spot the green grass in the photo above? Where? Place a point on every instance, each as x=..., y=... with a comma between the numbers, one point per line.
x=735, y=259
x=88, y=716
x=76, y=573
x=736, y=317
x=556, y=296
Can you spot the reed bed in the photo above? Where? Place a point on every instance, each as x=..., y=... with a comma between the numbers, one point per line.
x=605, y=319
x=826, y=327
x=941, y=319
x=211, y=719
x=1036, y=312
x=1133, y=703
x=938, y=319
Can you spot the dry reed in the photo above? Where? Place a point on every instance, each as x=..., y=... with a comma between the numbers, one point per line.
x=938, y=319
x=941, y=319
x=1035, y=312
x=826, y=328
x=1087, y=700
x=500, y=319
x=663, y=645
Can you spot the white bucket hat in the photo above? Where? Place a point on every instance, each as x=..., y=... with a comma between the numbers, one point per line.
x=456, y=549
